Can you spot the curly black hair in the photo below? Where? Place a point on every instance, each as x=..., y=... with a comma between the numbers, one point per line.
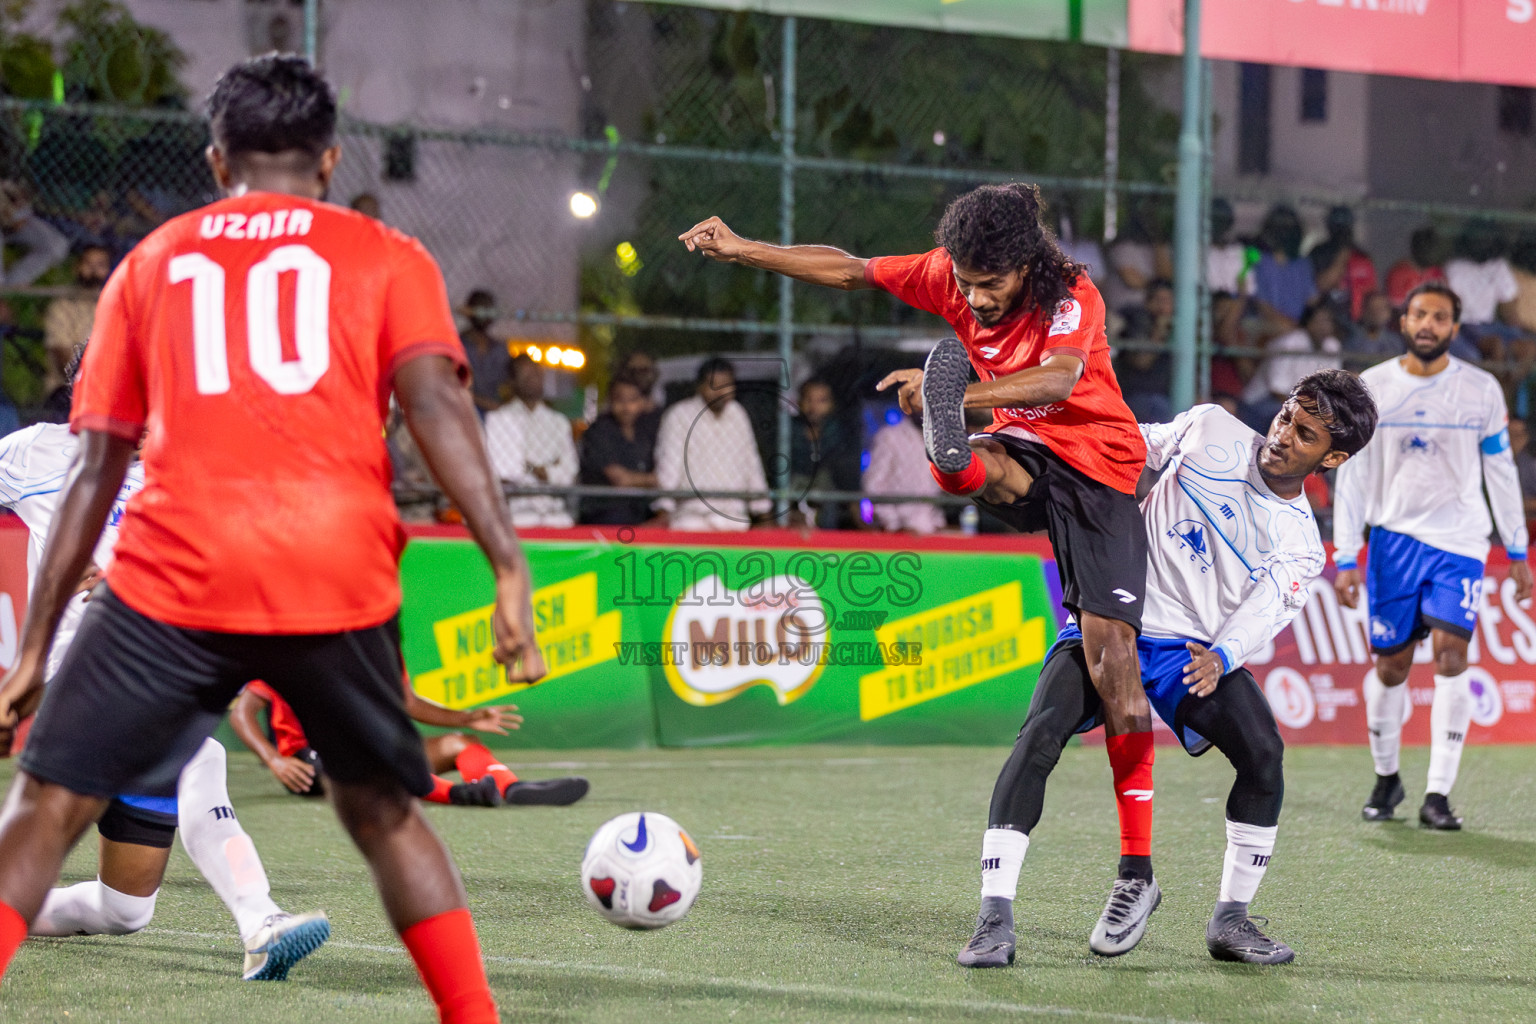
x=272, y=104
x=999, y=228
x=1341, y=401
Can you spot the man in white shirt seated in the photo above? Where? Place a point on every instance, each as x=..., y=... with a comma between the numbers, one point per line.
x=705, y=445
x=530, y=444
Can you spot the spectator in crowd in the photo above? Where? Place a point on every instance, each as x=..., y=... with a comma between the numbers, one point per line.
x=1284, y=283
x=1310, y=347
x=821, y=456
x=641, y=368
x=706, y=444
x=619, y=450
x=1144, y=375
x=67, y=323
x=1375, y=336
x=1423, y=263
x=367, y=204
x=489, y=360
x=1522, y=260
x=1525, y=463
x=531, y=444
x=1084, y=251
x=19, y=226
x=1228, y=273
x=1358, y=278
x=898, y=464
x=1139, y=255
x=415, y=490
x=1486, y=284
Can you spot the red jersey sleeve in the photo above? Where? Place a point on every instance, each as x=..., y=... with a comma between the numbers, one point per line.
x=111, y=394
x=1076, y=322
x=925, y=281
x=417, y=318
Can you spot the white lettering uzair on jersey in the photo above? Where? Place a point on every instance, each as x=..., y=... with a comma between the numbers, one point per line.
x=1230, y=563
x=34, y=465
x=1438, y=441
x=258, y=227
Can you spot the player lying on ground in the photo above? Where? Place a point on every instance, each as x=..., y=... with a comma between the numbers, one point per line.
x=136, y=830
x=487, y=782
x=1032, y=325
x=265, y=543
x=1233, y=552
x=1419, y=486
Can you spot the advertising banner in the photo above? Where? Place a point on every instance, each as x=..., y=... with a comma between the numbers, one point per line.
x=684, y=646
x=1451, y=40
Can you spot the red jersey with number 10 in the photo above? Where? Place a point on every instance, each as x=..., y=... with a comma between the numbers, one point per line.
x=1092, y=429
x=256, y=340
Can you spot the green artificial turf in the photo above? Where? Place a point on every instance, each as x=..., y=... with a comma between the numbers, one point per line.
x=839, y=883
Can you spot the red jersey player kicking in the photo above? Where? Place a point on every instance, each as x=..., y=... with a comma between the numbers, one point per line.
x=487, y=782
x=1063, y=455
x=257, y=340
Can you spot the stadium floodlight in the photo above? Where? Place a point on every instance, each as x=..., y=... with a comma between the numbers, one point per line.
x=535, y=353
x=573, y=359
x=583, y=205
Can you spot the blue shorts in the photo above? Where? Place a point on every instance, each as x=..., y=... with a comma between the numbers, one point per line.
x=1162, y=676
x=1413, y=588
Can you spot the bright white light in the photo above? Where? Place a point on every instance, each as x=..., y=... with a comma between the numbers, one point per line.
x=573, y=359
x=553, y=354
x=535, y=353
x=583, y=204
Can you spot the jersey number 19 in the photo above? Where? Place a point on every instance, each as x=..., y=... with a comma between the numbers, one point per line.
x=264, y=339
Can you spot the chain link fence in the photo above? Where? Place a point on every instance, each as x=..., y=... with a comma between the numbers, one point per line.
x=680, y=113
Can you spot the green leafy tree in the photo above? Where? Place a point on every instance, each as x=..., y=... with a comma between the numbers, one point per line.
x=109, y=57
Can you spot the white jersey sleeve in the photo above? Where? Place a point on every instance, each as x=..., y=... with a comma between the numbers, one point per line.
x=1277, y=589
x=1349, y=507
x=1164, y=440
x=1502, y=480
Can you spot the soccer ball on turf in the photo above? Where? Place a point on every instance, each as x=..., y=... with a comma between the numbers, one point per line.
x=641, y=870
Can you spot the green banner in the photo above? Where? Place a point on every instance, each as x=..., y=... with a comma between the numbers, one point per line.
x=1102, y=22
x=684, y=646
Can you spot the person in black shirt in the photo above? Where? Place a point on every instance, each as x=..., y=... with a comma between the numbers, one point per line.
x=619, y=450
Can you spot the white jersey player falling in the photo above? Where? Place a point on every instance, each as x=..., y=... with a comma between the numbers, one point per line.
x=1230, y=563
x=1419, y=485
x=34, y=463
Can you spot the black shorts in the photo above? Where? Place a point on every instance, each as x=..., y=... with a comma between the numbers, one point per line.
x=135, y=698
x=135, y=820
x=1096, y=532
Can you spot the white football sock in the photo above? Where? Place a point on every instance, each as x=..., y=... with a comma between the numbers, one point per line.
x=1384, y=713
x=1249, y=848
x=91, y=908
x=1449, y=717
x=218, y=845
x=1002, y=854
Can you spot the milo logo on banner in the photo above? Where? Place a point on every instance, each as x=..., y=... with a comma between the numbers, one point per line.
x=725, y=641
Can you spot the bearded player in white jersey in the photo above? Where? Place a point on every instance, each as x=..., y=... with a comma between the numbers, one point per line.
x=137, y=831
x=1419, y=487
x=1232, y=552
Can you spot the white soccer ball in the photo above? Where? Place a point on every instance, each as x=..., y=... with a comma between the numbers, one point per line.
x=641, y=870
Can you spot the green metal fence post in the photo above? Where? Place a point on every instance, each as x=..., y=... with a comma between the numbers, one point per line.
x=786, y=237
x=1186, y=232
x=311, y=31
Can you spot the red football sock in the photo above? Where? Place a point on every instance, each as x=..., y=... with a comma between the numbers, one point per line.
x=447, y=954
x=968, y=481
x=440, y=788
x=13, y=929
x=475, y=761
x=1130, y=759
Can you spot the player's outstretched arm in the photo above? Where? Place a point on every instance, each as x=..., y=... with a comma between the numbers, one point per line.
x=813, y=264
x=83, y=510
x=497, y=719
x=442, y=419
x=1051, y=381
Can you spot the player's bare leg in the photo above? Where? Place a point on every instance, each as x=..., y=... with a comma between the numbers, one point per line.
x=422, y=893
x=39, y=824
x=1109, y=646
x=1450, y=716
